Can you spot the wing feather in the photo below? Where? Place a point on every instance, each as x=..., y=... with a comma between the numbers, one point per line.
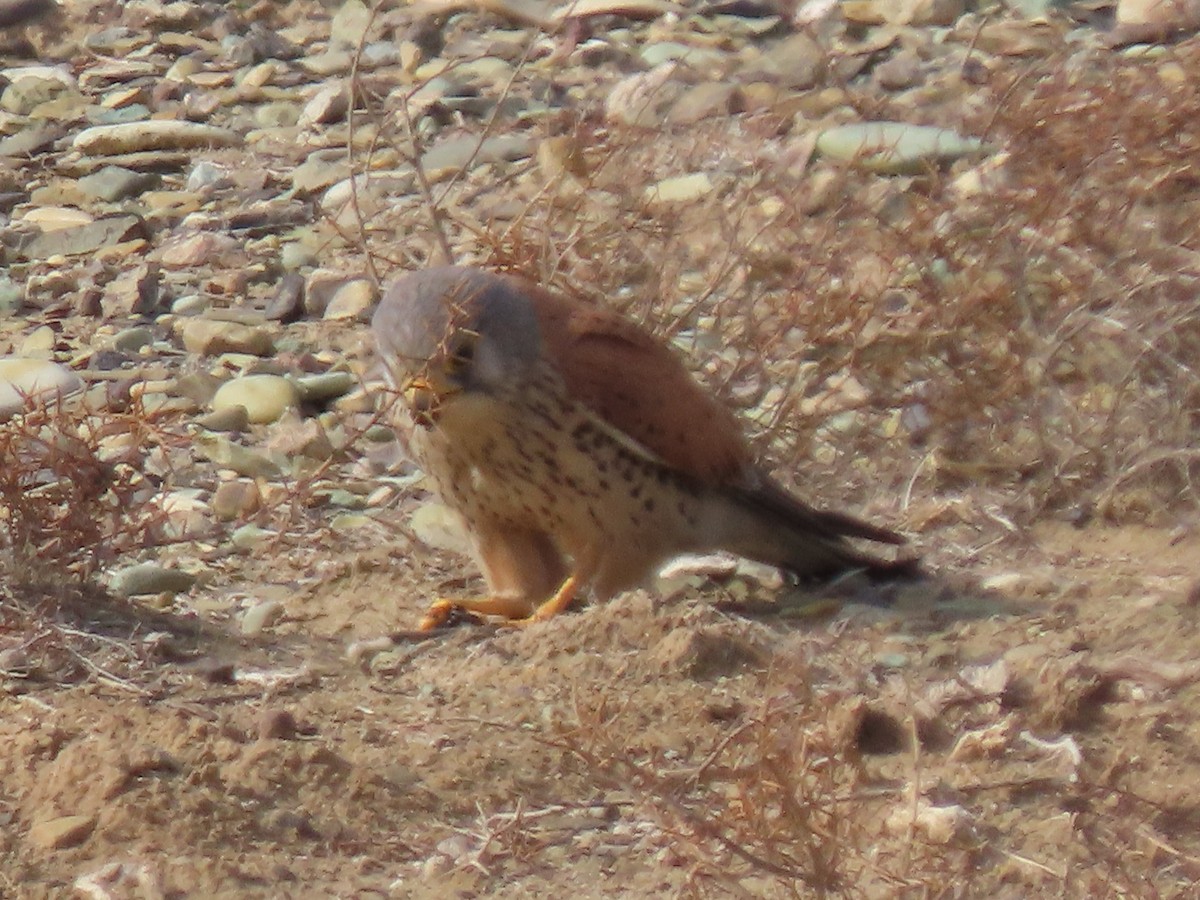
x=637, y=385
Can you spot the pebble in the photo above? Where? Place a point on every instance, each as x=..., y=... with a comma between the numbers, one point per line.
x=235, y=500
x=113, y=183
x=264, y=397
x=324, y=387
x=354, y=300
x=439, y=527
x=158, y=134
x=894, y=147
x=261, y=615
x=149, y=578
x=62, y=832
x=250, y=536
x=212, y=338
x=38, y=378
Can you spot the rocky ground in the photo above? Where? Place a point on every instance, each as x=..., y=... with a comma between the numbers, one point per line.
x=941, y=257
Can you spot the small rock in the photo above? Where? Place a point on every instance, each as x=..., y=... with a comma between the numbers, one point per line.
x=441, y=528
x=330, y=104
x=681, y=189
x=250, y=536
x=352, y=301
x=324, y=387
x=235, y=419
x=157, y=134
x=39, y=343
x=113, y=183
x=210, y=338
x=39, y=378
x=235, y=499
x=260, y=616
x=65, y=831
x=265, y=397
x=149, y=578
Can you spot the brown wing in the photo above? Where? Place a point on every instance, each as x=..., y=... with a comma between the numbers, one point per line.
x=637, y=385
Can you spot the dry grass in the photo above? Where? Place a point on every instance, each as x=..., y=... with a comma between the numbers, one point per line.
x=1028, y=329
x=1025, y=340
x=980, y=346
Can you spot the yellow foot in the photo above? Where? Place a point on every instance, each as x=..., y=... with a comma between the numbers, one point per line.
x=449, y=613
x=514, y=611
x=558, y=603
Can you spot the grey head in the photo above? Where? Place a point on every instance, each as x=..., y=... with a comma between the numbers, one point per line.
x=456, y=329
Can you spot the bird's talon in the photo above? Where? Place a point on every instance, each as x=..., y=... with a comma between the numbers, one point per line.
x=447, y=614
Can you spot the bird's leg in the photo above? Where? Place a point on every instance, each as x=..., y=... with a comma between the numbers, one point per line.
x=514, y=610
x=442, y=611
x=558, y=603
x=584, y=572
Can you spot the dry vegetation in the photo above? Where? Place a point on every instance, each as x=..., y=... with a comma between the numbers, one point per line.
x=968, y=352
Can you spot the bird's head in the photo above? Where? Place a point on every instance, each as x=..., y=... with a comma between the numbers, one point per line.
x=449, y=332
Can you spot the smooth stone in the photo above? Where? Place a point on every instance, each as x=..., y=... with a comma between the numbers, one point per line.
x=352, y=301
x=440, y=528
x=250, y=536
x=62, y=832
x=158, y=134
x=39, y=343
x=228, y=455
x=260, y=616
x=324, y=387
x=149, y=578
x=81, y=239
x=680, y=189
x=894, y=147
x=265, y=397
x=212, y=338
x=234, y=419
x=235, y=500
x=131, y=340
x=189, y=305
x=113, y=183
x=450, y=156
x=35, y=378
x=24, y=96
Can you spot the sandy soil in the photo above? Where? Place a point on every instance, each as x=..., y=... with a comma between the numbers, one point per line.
x=699, y=744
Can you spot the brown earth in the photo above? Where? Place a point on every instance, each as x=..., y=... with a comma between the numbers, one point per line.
x=1019, y=334
x=640, y=748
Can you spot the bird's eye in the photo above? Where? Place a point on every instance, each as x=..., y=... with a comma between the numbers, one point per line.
x=462, y=353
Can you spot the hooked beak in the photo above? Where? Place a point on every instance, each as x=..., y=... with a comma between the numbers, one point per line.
x=426, y=394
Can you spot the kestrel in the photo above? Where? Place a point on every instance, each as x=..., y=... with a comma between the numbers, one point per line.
x=579, y=451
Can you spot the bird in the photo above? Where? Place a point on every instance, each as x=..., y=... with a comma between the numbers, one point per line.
x=580, y=452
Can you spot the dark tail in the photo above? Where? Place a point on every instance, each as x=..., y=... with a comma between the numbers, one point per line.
x=766, y=524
